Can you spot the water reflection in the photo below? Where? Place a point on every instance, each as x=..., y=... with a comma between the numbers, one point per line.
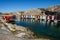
x=46, y=23
x=49, y=28
x=50, y=23
x=58, y=24
x=28, y=20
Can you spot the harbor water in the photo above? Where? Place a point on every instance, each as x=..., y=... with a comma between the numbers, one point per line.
x=46, y=28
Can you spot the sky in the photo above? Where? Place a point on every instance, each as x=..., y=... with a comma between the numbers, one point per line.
x=19, y=5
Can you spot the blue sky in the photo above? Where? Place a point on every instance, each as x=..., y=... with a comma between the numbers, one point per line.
x=16, y=5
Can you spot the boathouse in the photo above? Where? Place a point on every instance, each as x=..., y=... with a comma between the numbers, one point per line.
x=52, y=16
x=8, y=17
x=46, y=15
x=31, y=16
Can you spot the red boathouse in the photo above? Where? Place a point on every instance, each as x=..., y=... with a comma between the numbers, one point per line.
x=8, y=17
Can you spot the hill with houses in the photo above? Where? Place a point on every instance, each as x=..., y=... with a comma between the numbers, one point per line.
x=53, y=10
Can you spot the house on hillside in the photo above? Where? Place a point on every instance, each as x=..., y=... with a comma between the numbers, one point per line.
x=31, y=14
x=52, y=16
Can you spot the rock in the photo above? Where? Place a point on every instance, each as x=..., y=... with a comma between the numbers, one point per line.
x=9, y=37
x=19, y=31
x=2, y=31
x=4, y=28
x=21, y=35
x=20, y=28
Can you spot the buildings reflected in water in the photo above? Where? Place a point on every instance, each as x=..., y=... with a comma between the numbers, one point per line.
x=58, y=24
x=50, y=28
x=28, y=20
x=47, y=23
